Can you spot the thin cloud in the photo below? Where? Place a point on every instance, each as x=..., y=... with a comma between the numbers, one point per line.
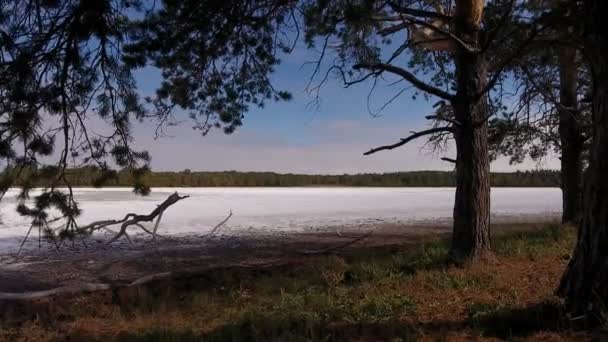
x=249, y=150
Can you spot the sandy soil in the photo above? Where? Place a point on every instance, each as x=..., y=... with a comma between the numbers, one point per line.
x=121, y=263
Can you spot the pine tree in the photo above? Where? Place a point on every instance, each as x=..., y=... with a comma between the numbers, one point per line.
x=584, y=282
x=60, y=70
x=548, y=82
x=456, y=45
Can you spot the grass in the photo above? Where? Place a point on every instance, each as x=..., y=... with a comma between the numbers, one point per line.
x=397, y=293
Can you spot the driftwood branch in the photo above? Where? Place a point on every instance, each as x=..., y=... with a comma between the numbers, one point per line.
x=335, y=248
x=345, y=236
x=135, y=219
x=92, y=287
x=219, y=225
x=146, y=230
x=404, y=141
x=69, y=289
x=160, y=216
x=97, y=225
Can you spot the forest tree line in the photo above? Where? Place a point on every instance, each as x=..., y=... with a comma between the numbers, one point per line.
x=187, y=178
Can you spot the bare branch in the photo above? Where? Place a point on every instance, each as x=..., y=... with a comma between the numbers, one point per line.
x=154, y=234
x=432, y=26
x=404, y=141
x=215, y=229
x=333, y=249
x=418, y=13
x=505, y=62
x=415, y=81
x=547, y=95
x=492, y=34
x=443, y=118
x=24, y=239
x=92, y=287
x=160, y=216
x=136, y=219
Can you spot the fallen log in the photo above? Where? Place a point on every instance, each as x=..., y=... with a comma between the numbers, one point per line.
x=93, y=287
x=69, y=289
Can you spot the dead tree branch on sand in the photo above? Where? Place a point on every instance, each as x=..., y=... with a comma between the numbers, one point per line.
x=93, y=287
x=132, y=219
x=136, y=221
x=218, y=226
x=333, y=249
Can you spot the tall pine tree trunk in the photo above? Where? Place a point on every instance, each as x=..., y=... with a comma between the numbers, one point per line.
x=585, y=282
x=570, y=137
x=471, y=235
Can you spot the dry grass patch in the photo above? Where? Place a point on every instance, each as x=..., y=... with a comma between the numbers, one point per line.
x=368, y=294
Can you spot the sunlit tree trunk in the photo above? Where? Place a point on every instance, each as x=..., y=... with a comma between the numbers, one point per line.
x=471, y=235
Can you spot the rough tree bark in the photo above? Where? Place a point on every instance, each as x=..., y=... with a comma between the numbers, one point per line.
x=584, y=282
x=471, y=234
x=570, y=137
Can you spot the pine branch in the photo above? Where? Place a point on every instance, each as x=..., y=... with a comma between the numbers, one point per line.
x=404, y=141
x=409, y=21
x=418, y=13
x=408, y=76
x=505, y=62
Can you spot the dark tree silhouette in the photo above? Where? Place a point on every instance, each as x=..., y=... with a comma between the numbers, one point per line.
x=549, y=81
x=216, y=57
x=584, y=282
x=68, y=98
x=61, y=71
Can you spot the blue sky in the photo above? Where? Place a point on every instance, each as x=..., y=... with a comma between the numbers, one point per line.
x=295, y=137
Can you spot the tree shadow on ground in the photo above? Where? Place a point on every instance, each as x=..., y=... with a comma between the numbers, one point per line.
x=284, y=330
x=545, y=317
x=507, y=324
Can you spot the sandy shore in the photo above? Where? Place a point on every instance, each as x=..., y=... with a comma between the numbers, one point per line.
x=123, y=262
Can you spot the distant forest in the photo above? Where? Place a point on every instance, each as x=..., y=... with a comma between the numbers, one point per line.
x=187, y=178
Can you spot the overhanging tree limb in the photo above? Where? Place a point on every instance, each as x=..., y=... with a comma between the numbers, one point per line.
x=410, y=21
x=418, y=13
x=503, y=20
x=443, y=118
x=505, y=62
x=408, y=139
x=408, y=76
x=546, y=95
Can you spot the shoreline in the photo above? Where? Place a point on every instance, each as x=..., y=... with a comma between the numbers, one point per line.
x=125, y=262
